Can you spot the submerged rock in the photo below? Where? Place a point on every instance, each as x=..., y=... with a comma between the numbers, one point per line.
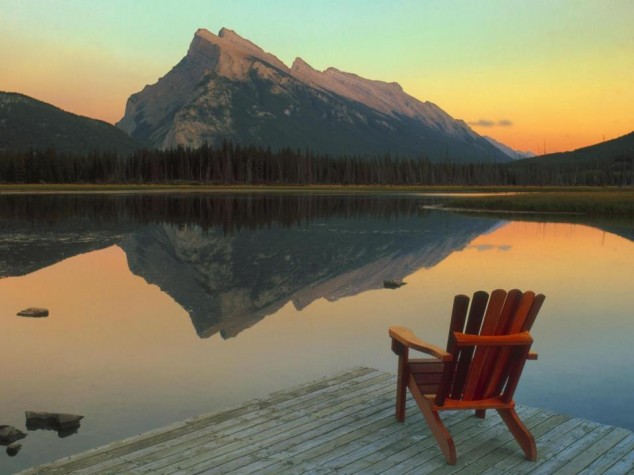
x=63, y=424
x=392, y=284
x=10, y=434
x=33, y=312
x=13, y=449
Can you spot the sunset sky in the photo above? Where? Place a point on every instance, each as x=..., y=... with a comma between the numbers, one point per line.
x=534, y=74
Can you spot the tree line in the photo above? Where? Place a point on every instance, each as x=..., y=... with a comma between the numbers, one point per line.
x=233, y=164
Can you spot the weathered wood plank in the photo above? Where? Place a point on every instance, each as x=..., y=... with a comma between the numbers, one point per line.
x=226, y=436
x=595, y=451
x=299, y=459
x=539, y=424
x=625, y=464
x=292, y=437
x=262, y=412
x=369, y=443
x=419, y=455
x=308, y=390
x=246, y=442
x=611, y=457
x=466, y=442
x=346, y=424
x=578, y=446
x=548, y=446
x=499, y=445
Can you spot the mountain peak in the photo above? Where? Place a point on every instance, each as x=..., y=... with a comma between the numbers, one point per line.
x=231, y=37
x=228, y=87
x=227, y=33
x=203, y=32
x=228, y=54
x=299, y=64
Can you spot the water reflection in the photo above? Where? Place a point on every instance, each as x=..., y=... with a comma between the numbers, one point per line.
x=232, y=260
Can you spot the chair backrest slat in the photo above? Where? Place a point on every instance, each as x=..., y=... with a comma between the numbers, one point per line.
x=488, y=371
x=498, y=358
x=489, y=325
x=508, y=317
x=474, y=322
x=528, y=323
x=532, y=315
x=458, y=317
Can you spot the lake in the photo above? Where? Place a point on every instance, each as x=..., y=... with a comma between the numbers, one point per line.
x=167, y=306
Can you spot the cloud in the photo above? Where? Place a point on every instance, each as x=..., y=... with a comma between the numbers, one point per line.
x=492, y=123
x=483, y=123
x=491, y=247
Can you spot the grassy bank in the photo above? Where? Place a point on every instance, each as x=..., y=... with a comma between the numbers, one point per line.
x=612, y=203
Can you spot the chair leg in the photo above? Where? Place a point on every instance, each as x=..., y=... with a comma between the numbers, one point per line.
x=481, y=413
x=521, y=433
x=438, y=429
x=401, y=388
x=445, y=442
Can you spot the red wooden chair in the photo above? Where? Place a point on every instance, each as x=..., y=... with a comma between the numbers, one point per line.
x=487, y=347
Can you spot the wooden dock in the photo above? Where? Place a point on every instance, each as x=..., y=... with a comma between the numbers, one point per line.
x=345, y=424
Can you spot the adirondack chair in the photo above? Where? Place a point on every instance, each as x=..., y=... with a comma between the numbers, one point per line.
x=487, y=348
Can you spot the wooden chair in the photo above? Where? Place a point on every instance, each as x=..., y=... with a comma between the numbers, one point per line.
x=487, y=347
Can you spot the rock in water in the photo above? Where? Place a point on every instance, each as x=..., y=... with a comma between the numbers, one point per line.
x=392, y=284
x=9, y=434
x=34, y=312
x=13, y=449
x=63, y=424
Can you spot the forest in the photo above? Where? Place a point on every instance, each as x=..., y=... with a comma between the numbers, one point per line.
x=232, y=164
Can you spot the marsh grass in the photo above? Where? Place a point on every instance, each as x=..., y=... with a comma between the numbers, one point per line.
x=611, y=203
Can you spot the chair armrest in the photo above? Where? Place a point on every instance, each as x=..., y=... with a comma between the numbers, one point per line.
x=532, y=356
x=406, y=337
x=515, y=339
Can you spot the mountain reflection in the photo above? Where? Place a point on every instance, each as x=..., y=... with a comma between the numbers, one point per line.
x=231, y=260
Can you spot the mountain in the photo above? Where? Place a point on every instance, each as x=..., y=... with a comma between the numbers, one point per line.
x=26, y=123
x=511, y=153
x=228, y=88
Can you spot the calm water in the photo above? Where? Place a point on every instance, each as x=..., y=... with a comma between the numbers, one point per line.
x=165, y=307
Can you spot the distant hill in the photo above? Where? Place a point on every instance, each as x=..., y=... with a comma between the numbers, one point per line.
x=27, y=123
x=227, y=88
x=608, y=163
x=610, y=150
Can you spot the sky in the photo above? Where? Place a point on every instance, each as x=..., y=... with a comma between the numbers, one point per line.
x=539, y=75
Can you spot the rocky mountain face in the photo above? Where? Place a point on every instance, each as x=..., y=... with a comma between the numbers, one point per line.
x=228, y=88
x=26, y=123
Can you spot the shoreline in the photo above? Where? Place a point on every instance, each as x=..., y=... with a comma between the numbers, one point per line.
x=588, y=201
x=206, y=188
